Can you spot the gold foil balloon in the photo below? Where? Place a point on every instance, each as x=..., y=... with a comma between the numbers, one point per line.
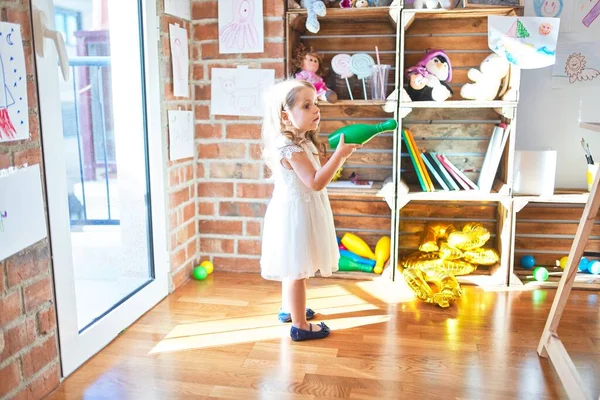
x=482, y=256
x=472, y=236
x=444, y=254
x=433, y=233
x=416, y=281
x=448, y=252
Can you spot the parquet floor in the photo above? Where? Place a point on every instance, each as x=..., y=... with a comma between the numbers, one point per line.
x=220, y=339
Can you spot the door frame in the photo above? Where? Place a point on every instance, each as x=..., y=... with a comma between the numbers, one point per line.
x=76, y=347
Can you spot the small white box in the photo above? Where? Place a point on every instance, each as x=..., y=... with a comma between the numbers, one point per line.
x=534, y=172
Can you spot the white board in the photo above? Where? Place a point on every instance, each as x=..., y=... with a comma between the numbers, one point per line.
x=14, y=117
x=239, y=91
x=22, y=218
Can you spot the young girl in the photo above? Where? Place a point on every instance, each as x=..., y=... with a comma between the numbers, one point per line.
x=298, y=236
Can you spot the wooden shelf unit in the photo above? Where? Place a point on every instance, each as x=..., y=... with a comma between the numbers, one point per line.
x=364, y=212
x=461, y=129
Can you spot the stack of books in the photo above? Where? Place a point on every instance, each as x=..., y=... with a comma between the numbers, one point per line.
x=435, y=168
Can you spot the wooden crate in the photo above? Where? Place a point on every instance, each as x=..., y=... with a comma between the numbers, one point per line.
x=461, y=33
x=350, y=31
x=462, y=135
x=546, y=231
x=416, y=215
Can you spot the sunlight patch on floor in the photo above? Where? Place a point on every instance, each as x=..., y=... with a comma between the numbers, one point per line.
x=387, y=291
x=214, y=333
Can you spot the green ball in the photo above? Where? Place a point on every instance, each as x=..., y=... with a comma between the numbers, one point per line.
x=200, y=273
x=540, y=274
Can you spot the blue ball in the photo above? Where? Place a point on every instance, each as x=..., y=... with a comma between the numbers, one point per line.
x=594, y=267
x=527, y=261
x=584, y=264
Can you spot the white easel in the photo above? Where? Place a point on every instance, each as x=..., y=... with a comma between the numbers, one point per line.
x=550, y=345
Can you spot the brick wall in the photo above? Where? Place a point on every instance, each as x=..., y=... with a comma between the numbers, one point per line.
x=232, y=191
x=29, y=364
x=183, y=235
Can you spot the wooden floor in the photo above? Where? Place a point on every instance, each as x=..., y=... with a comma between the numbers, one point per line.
x=220, y=339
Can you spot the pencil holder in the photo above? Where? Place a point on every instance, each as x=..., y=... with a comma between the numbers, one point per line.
x=592, y=170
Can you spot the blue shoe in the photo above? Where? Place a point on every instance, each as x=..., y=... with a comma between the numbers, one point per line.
x=299, y=335
x=287, y=317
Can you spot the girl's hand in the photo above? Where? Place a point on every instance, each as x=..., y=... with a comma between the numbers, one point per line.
x=345, y=150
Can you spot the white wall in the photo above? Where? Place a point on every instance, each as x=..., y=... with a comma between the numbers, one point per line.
x=549, y=118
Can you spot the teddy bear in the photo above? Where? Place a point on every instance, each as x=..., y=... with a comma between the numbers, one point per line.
x=428, y=79
x=314, y=8
x=487, y=79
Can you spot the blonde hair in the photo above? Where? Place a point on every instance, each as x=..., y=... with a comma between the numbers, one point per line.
x=282, y=96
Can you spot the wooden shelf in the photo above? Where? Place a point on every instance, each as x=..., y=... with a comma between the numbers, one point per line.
x=351, y=13
x=461, y=13
x=559, y=196
x=455, y=195
x=458, y=104
x=593, y=126
x=359, y=103
x=357, y=193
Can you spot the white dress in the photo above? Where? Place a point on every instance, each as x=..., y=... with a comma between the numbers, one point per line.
x=298, y=236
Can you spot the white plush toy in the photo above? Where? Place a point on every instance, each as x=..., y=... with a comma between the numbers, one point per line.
x=487, y=79
x=314, y=8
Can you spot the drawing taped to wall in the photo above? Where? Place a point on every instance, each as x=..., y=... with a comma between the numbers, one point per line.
x=527, y=42
x=562, y=9
x=14, y=117
x=22, y=216
x=241, y=27
x=239, y=91
x=180, y=60
x=577, y=61
x=586, y=16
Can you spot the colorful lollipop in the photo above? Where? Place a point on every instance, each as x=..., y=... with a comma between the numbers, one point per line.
x=341, y=66
x=361, y=64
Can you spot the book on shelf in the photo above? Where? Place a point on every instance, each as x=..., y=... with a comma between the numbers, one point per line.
x=492, y=157
x=442, y=171
x=414, y=158
x=458, y=172
x=435, y=174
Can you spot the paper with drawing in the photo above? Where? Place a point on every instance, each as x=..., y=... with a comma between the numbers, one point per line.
x=22, y=216
x=577, y=61
x=179, y=60
x=14, y=115
x=527, y=42
x=241, y=28
x=239, y=91
x=181, y=134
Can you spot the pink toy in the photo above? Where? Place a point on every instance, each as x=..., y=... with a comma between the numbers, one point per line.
x=310, y=68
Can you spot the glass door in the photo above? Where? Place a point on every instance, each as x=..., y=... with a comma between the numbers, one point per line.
x=103, y=157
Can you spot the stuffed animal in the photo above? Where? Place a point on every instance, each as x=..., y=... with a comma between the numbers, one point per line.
x=309, y=67
x=314, y=8
x=487, y=79
x=346, y=4
x=360, y=3
x=427, y=80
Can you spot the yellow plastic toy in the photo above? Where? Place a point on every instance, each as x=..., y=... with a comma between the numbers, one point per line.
x=208, y=266
x=382, y=253
x=357, y=245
